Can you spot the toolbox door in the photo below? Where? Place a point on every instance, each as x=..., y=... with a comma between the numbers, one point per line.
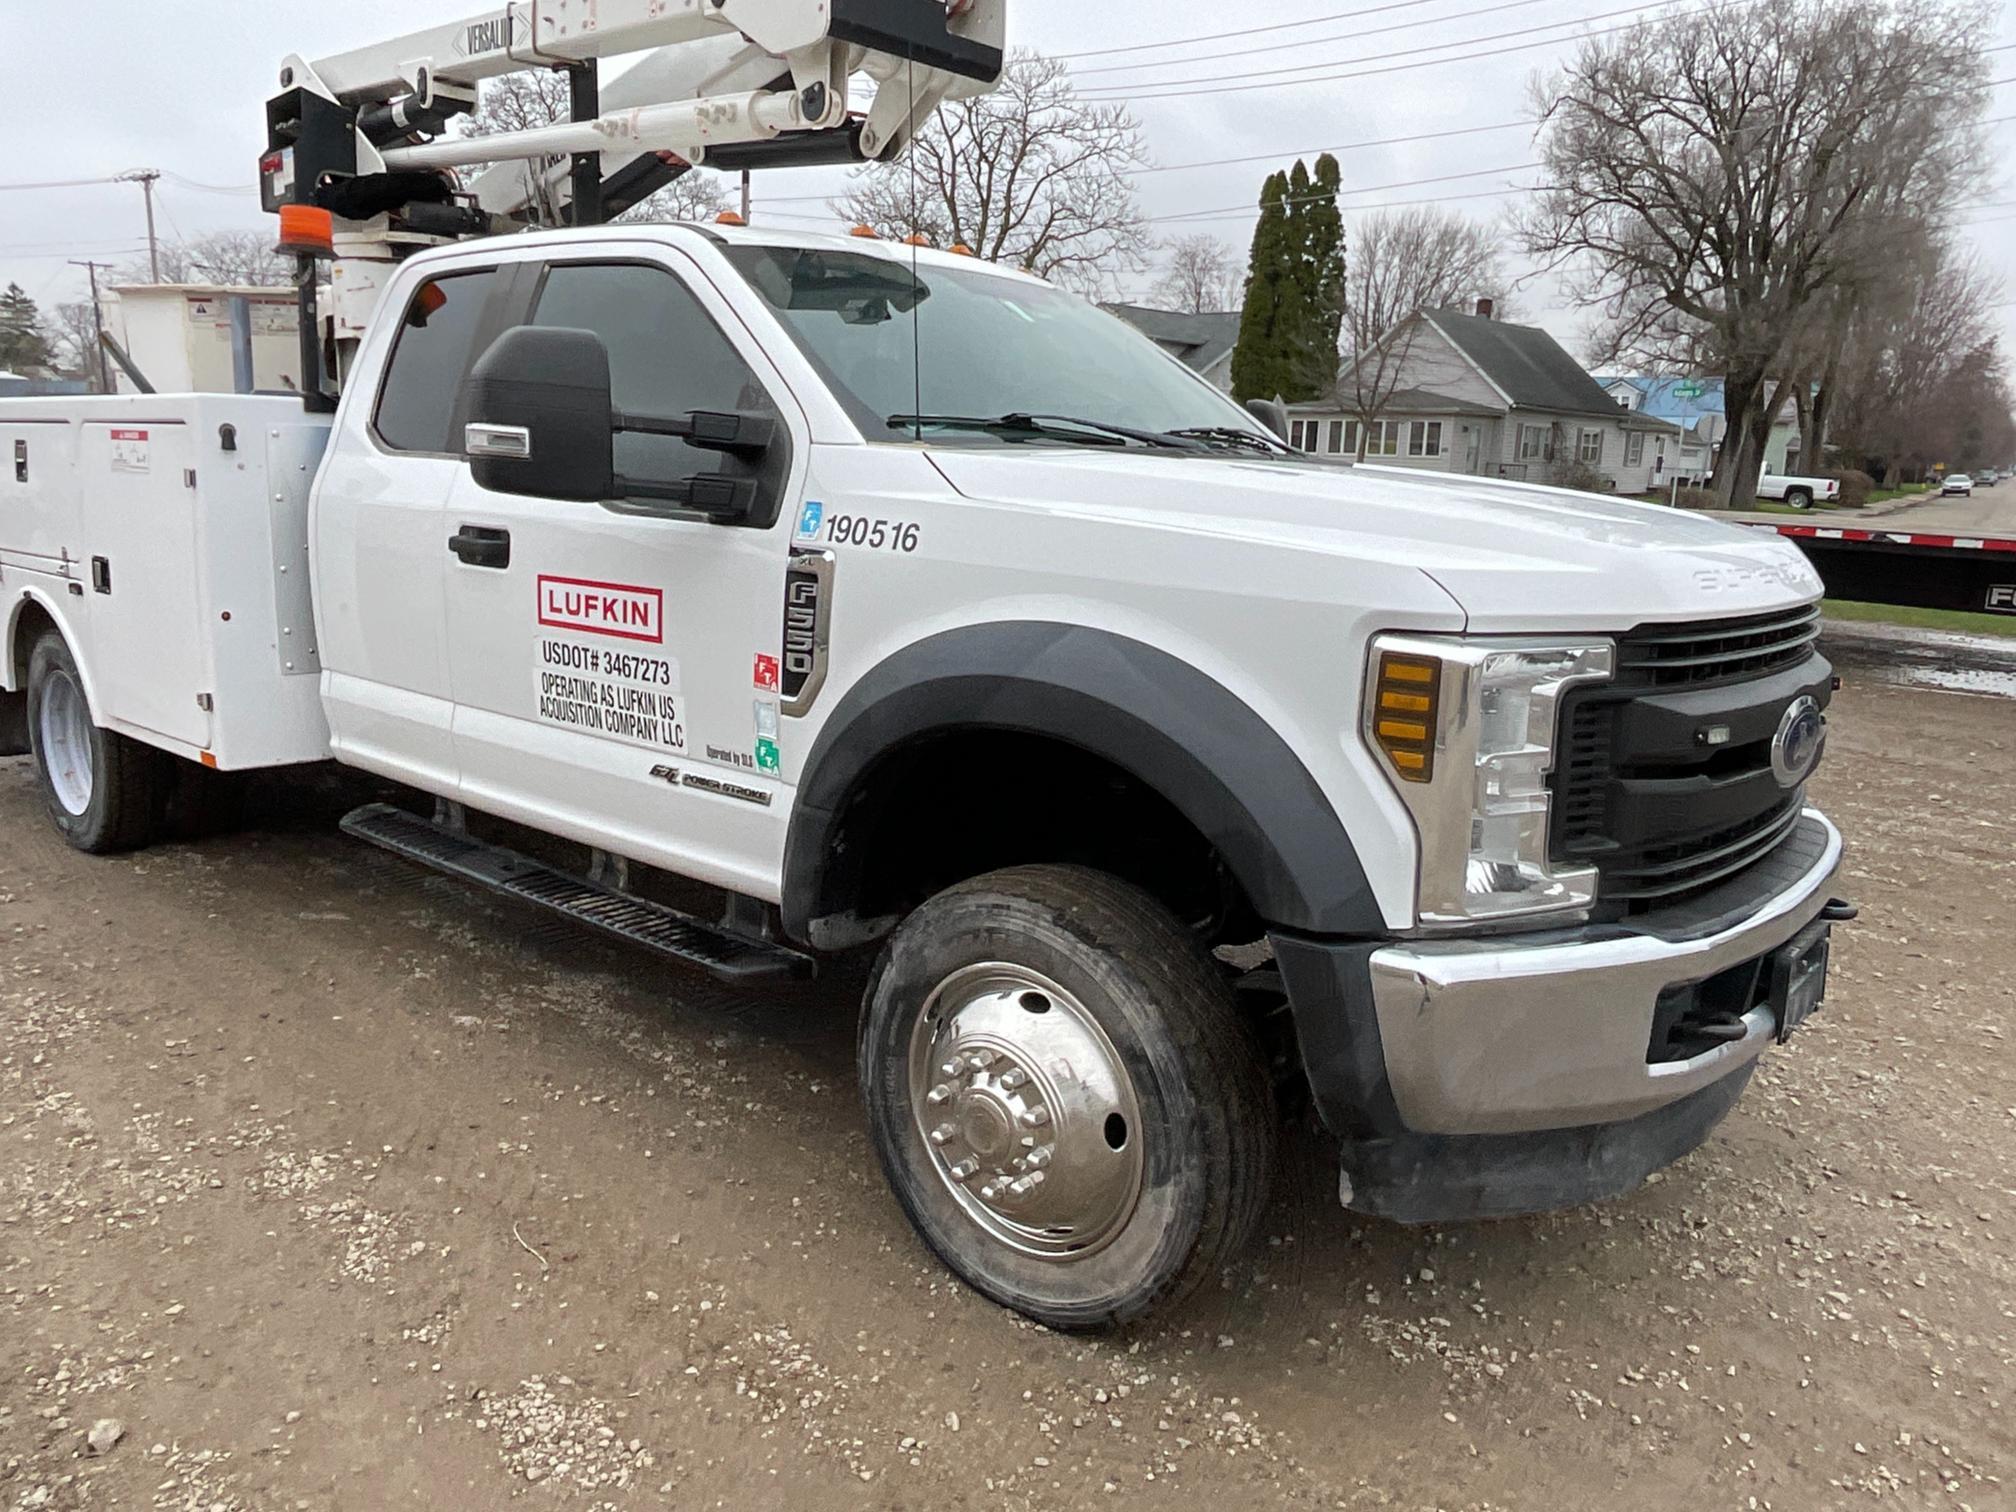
x=140, y=577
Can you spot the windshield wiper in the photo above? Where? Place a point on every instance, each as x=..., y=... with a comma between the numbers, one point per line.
x=1057, y=427
x=1232, y=435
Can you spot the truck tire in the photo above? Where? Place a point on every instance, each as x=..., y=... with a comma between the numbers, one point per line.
x=1799, y=498
x=100, y=787
x=1063, y=1096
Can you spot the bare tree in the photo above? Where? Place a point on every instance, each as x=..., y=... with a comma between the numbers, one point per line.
x=1198, y=275
x=1903, y=360
x=520, y=102
x=693, y=196
x=1402, y=263
x=1732, y=167
x=74, y=334
x=244, y=258
x=1029, y=174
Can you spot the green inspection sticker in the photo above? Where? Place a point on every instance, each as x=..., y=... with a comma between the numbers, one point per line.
x=767, y=759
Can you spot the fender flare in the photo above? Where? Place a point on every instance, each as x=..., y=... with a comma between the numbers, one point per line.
x=1170, y=726
x=14, y=705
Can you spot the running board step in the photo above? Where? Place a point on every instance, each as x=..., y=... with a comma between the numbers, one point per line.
x=731, y=957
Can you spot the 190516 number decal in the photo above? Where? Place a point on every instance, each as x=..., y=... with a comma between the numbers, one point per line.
x=876, y=535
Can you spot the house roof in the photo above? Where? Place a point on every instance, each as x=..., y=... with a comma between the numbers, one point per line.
x=1201, y=341
x=1407, y=401
x=1529, y=367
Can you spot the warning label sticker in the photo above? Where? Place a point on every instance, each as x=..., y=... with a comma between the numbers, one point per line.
x=601, y=690
x=129, y=451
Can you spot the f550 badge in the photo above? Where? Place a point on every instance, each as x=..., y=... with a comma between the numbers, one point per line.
x=621, y=610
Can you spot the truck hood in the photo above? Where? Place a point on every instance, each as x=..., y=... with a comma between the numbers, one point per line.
x=1515, y=556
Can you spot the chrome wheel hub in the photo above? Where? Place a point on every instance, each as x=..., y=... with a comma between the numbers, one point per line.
x=1026, y=1110
x=66, y=742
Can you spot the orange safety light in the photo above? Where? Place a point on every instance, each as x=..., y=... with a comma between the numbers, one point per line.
x=729, y=218
x=308, y=230
x=916, y=239
x=862, y=231
x=960, y=249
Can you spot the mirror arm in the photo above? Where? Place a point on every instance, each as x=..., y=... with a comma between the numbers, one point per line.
x=709, y=430
x=727, y=498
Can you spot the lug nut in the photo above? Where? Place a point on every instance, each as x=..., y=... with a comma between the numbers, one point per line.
x=1035, y=1118
x=1035, y=1160
x=965, y=1168
x=1023, y=1186
x=943, y=1133
x=1010, y=1080
x=980, y=1060
x=950, y=1068
x=937, y=1094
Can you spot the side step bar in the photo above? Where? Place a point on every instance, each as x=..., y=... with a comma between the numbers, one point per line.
x=730, y=956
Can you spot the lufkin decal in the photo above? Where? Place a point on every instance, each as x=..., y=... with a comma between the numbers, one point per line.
x=628, y=690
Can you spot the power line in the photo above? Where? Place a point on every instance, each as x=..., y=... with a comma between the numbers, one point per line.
x=1244, y=31
x=1296, y=199
x=1269, y=78
x=1350, y=36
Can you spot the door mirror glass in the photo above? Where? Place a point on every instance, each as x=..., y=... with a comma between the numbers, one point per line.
x=540, y=420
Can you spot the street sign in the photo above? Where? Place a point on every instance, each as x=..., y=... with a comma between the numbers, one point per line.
x=1688, y=390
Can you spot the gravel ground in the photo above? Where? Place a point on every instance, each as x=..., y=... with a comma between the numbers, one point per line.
x=326, y=1184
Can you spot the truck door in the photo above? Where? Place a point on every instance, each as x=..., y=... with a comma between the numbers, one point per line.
x=616, y=675
x=379, y=513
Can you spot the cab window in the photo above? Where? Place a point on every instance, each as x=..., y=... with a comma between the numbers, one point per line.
x=431, y=355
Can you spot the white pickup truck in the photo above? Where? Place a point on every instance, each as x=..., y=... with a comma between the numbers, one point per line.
x=1800, y=493
x=900, y=603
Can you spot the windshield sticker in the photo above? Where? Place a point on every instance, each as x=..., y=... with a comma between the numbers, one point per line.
x=876, y=535
x=810, y=519
x=602, y=690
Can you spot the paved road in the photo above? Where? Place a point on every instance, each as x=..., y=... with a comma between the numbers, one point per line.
x=341, y=1188
x=1990, y=512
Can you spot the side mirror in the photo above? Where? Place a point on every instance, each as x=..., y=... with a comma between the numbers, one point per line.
x=540, y=418
x=1271, y=413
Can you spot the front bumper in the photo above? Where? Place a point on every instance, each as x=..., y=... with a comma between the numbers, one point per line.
x=1536, y=1049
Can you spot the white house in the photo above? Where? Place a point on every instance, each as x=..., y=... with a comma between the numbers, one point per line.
x=1475, y=395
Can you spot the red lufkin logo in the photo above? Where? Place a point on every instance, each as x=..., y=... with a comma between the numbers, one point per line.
x=615, y=609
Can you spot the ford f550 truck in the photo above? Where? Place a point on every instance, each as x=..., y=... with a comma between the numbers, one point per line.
x=760, y=598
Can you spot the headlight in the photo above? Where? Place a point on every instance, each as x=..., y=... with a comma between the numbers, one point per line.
x=1468, y=730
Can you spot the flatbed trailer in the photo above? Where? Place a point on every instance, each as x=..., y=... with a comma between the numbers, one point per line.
x=1925, y=569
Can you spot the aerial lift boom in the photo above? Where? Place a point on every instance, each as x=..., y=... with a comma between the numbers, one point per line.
x=370, y=136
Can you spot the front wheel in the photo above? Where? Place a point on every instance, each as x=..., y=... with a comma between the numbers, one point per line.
x=1063, y=1096
x=99, y=787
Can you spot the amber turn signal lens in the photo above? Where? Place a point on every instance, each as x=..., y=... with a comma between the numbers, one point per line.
x=1408, y=690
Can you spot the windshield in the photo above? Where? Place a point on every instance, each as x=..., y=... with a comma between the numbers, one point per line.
x=973, y=344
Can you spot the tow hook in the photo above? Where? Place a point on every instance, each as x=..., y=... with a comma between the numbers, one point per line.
x=1839, y=911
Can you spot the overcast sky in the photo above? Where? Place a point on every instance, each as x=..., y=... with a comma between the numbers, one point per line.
x=100, y=87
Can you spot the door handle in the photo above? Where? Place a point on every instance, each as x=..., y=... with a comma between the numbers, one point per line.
x=480, y=546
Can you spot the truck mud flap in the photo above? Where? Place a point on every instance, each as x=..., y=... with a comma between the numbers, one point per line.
x=14, y=723
x=731, y=957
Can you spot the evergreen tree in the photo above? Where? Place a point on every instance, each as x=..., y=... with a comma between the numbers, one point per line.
x=1289, y=328
x=1323, y=275
x=22, y=344
x=1259, y=370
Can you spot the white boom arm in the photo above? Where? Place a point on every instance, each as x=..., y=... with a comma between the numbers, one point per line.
x=365, y=135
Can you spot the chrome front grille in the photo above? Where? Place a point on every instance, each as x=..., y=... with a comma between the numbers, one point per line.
x=1717, y=651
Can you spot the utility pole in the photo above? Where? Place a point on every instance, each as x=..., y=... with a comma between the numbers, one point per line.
x=98, y=323
x=146, y=179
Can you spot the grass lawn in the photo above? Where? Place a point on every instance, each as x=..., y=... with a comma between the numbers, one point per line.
x=1955, y=620
x=1910, y=490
